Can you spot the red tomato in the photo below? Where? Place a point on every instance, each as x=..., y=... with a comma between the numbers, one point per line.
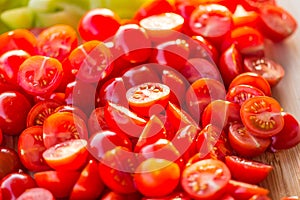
x=14, y=184
x=276, y=23
x=36, y=193
x=212, y=21
x=89, y=185
x=67, y=155
x=121, y=119
x=272, y=71
x=91, y=61
x=116, y=169
x=164, y=176
x=10, y=62
x=245, y=143
x=171, y=53
x=152, y=132
x=256, y=4
x=111, y=195
x=1, y=137
x=290, y=198
x=63, y=126
x=262, y=116
x=148, y=98
x=242, y=17
x=230, y=64
x=201, y=93
x=125, y=41
x=259, y=197
x=253, y=79
x=40, y=75
x=248, y=40
x=9, y=161
x=247, y=170
x=31, y=148
x=162, y=27
x=206, y=179
x=59, y=183
x=57, y=41
x=96, y=121
x=72, y=109
x=18, y=39
x=40, y=111
x=240, y=93
x=185, y=10
x=98, y=24
x=103, y=141
x=244, y=191
x=289, y=136
x=14, y=108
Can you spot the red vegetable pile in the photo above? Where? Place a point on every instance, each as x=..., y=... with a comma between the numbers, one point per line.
x=174, y=103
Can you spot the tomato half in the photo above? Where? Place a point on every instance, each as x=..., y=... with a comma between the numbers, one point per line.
x=206, y=179
x=148, y=98
x=262, y=116
x=36, y=193
x=247, y=170
x=40, y=75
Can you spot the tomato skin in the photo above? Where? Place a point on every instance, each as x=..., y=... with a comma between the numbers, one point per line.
x=248, y=171
x=9, y=161
x=276, y=23
x=59, y=183
x=31, y=148
x=206, y=179
x=112, y=195
x=153, y=175
x=14, y=184
x=230, y=64
x=289, y=136
x=13, y=111
x=96, y=121
x=40, y=75
x=89, y=185
x=262, y=116
x=94, y=24
x=18, y=39
x=57, y=41
x=36, y=193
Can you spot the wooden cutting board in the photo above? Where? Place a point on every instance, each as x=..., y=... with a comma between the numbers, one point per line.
x=285, y=178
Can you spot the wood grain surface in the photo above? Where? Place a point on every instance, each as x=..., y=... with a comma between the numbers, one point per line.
x=285, y=178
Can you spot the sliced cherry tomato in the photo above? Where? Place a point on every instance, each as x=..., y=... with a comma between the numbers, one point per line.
x=272, y=71
x=262, y=116
x=246, y=170
x=242, y=17
x=240, y=93
x=1, y=137
x=112, y=195
x=212, y=21
x=59, y=183
x=230, y=64
x=89, y=185
x=162, y=27
x=14, y=184
x=67, y=155
x=40, y=75
x=116, y=169
x=244, y=191
x=103, y=141
x=126, y=44
x=63, y=126
x=98, y=24
x=164, y=176
x=276, y=23
x=57, y=41
x=9, y=161
x=31, y=148
x=256, y=4
x=253, y=79
x=91, y=61
x=249, y=41
x=18, y=39
x=72, y=109
x=290, y=198
x=260, y=197
x=148, y=98
x=96, y=121
x=36, y=193
x=14, y=108
x=10, y=62
x=201, y=93
x=206, y=179
x=245, y=143
x=289, y=136
x=40, y=111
